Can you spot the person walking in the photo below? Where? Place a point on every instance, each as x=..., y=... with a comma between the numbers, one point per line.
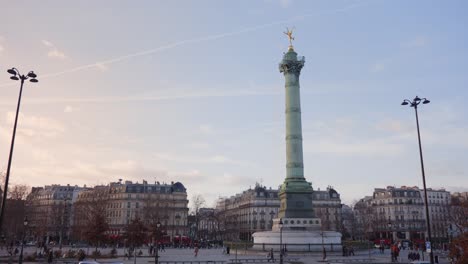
x=271, y=256
x=50, y=256
x=196, y=251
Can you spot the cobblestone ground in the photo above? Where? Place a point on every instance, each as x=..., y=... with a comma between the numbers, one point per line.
x=217, y=255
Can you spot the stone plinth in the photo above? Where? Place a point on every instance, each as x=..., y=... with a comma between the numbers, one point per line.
x=297, y=240
x=298, y=234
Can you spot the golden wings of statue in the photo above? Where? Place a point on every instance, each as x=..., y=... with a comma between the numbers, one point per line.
x=289, y=33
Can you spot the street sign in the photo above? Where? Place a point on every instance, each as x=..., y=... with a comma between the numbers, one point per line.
x=428, y=246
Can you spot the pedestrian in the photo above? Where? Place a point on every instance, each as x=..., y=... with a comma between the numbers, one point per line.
x=351, y=251
x=228, y=250
x=271, y=256
x=50, y=257
x=196, y=251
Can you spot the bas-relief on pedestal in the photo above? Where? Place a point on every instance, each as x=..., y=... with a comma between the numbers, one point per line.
x=300, y=227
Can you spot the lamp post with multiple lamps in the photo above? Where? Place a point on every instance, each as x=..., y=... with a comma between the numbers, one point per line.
x=281, y=239
x=156, y=257
x=16, y=76
x=25, y=223
x=416, y=101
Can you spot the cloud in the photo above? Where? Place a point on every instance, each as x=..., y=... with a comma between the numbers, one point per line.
x=2, y=48
x=53, y=52
x=68, y=109
x=32, y=126
x=206, y=129
x=206, y=38
x=215, y=159
x=416, y=42
x=47, y=43
x=285, y=3
x=348, y=137
x=377, y=67
x=102, y=67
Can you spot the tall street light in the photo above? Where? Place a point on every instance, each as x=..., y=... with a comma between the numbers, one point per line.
x=281, y=240
x=25, y=223
x=158, y=225
x=16, y=76
x=416, y=101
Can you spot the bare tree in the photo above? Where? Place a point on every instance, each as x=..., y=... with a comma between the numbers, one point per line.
x=18, y=192
x=90, y=216
x=135, y=233
x=459, y=220
x=197, y=202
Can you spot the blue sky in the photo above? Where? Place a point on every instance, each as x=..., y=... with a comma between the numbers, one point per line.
x=190, y=91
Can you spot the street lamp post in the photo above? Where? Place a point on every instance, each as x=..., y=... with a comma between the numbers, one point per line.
x=416, y=101
x=389, y=225
x=25, y=223
x=16, y=76
x=156, y=257
x=281, y=240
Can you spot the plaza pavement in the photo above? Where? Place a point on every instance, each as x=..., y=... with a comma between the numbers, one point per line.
x=217, y=255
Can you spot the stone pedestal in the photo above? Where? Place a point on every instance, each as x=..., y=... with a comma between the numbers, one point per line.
x=296, y=240
x=297, y=234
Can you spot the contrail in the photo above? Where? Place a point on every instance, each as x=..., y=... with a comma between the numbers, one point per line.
x=188, y=41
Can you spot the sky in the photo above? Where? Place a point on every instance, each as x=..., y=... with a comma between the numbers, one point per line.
x=190, y=91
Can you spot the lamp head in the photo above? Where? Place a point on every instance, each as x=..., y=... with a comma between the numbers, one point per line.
x=404, y=103
x=11, y=71
x=14, y=78
x=31, y=74
x=33, y=80
x=426, y=101
x=417, y=99
x=158, y=224
x=25, y=221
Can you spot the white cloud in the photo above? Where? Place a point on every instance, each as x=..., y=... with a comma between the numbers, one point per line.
x=53, y=52
x=68, y=109
x=377, y=67
x=206, y=129
x=285, y=3
x=35, y=125
x=47, y=43
x=416, y=42
x=1, y=46
x=102, y=67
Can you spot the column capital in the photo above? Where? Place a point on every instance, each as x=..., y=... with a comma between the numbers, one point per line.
x=291, y=66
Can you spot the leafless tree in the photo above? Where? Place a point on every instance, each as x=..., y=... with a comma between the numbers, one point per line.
x=90, y=216
x=197, y=202
x=18, y=192
x=135, y=233
x=459, y=220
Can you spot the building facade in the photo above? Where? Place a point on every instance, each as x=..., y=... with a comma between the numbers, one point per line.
x=327, y=206
x=398, y=213
x=49, y=212
x=158, y=202
x=248, y=212
x=58, y=213
x=254, y=210
x=439, y=209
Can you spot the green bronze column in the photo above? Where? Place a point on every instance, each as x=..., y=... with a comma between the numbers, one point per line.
x=295, y=193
